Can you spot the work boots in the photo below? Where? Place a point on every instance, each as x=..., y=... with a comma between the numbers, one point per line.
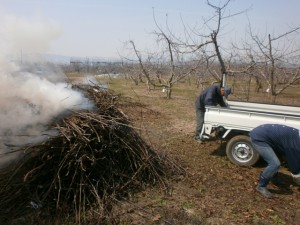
x=261, y=187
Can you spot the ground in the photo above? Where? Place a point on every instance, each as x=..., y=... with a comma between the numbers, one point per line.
x=212, y=190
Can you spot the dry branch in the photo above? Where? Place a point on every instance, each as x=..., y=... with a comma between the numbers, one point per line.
x=97, y=156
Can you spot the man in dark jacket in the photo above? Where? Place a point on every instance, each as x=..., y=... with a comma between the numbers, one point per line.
x=211, y=96
x=271, y=140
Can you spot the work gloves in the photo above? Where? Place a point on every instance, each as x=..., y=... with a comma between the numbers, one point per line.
x=296, y=178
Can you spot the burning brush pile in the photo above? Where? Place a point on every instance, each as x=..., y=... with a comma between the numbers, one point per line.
x=95, y=158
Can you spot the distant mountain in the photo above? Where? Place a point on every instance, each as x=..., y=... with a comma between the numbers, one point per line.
x=67, y=59
x=59, y=59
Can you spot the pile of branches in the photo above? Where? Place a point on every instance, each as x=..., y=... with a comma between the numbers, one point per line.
x=95, y=158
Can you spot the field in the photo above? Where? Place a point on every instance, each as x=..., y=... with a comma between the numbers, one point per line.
x=212, y=190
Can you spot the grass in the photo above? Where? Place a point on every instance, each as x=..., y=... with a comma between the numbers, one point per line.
x=181, y=106
x=185, y=91
x=196, y=195
x=189, y=91
x=277, y=220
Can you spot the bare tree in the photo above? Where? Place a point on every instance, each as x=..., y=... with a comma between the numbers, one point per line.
x=266, y=61
x=275, y=60
x=213, y=54
x=166, y=72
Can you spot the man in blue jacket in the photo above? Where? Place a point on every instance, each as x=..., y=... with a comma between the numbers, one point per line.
x=271, y=140
x=211, y=96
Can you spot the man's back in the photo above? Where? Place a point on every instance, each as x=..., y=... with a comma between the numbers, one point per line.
x=211, y=96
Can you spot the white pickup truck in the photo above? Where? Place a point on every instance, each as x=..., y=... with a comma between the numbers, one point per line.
x=233, y=124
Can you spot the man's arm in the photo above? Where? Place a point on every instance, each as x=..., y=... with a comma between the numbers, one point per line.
x=222, y=102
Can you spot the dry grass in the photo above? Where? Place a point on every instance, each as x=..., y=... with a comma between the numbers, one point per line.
x=214, y=191
x=97, y=158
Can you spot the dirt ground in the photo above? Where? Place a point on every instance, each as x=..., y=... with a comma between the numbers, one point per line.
x=212, y=190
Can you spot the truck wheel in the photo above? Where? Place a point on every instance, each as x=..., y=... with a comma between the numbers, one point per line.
x=240, y=151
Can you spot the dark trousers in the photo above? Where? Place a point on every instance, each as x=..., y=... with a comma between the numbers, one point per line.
x=268, y=154
x=200, y=121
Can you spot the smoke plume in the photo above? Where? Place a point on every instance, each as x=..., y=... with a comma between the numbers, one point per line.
x=31, y=93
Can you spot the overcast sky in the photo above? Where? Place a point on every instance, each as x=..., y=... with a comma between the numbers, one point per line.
x=99, y=28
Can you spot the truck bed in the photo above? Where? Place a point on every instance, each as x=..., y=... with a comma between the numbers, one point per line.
x=246, y=116
x=262, y=107
x=233, y=124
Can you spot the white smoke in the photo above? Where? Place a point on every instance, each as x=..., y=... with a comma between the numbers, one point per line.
x=32, y=35
x=30, y=97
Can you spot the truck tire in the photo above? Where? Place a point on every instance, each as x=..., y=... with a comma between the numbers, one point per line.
x=240, y=151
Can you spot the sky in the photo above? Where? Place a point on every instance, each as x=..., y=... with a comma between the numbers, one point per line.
x=101, y=28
